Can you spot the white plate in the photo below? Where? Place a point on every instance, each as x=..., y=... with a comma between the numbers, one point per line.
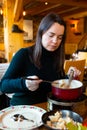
x=28, y=111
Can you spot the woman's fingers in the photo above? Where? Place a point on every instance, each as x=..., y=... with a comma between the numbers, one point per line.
x=76, y=71
x=33, y=84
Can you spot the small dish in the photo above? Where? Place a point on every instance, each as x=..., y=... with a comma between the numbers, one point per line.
x=76, y=117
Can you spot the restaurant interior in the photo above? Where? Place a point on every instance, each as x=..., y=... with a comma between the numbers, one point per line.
x=19, y=20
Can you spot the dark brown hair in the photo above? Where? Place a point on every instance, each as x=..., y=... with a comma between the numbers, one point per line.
x=45, y=24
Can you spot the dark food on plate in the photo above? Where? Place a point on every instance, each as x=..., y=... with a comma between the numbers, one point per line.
x=19, y=117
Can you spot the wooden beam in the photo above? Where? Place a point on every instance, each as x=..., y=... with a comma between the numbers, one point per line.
x=37, y=12
x=79, y=3
x=78, y=15
x=18, y=9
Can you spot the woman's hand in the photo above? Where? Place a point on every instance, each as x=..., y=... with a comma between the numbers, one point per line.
x=76, y=72
x=33, y=84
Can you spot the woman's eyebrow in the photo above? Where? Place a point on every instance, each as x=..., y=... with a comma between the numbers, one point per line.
x=55, y=33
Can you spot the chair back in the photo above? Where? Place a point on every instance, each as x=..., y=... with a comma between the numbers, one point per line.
x=79, y=64
x=3, y=68
x=83, y=55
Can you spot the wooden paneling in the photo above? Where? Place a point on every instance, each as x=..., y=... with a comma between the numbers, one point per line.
x=70, y=48
x=85, y=24
x=18, y=9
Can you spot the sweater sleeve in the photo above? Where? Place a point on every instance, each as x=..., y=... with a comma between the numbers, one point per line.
x=12, y=81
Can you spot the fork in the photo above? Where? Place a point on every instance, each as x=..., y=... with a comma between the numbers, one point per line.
x=42, y=80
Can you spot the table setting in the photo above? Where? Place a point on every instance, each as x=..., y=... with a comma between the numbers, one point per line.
x=35, y=117
x=31, y=117
x=21, y=117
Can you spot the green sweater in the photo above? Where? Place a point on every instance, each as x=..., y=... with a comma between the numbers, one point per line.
x=21, y=66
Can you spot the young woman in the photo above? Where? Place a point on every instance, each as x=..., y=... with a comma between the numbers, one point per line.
x=42, y=61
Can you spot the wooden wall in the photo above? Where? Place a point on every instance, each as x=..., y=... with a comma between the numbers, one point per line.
x=72, y=40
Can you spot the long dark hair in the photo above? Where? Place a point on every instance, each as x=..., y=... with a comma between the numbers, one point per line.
x=45, y=24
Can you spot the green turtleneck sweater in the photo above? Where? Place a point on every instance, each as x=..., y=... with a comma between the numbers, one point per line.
x=21, y=66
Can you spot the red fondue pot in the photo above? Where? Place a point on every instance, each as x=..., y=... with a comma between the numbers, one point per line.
x=73, y=92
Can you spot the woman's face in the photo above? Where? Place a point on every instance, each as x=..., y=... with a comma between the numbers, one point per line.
x=52, y=38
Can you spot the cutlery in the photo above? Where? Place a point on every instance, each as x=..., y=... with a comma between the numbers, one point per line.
x=16, y=117
x=42, y=80
x=70, y=78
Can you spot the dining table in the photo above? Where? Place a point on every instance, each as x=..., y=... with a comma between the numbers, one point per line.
x=44, y=106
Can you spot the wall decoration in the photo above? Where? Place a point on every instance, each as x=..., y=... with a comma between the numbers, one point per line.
x=28, y=30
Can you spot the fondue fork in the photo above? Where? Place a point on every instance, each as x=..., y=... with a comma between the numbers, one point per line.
x=42, y=80
x=70, y=78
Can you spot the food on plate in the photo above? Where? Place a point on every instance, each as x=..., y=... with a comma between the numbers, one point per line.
x=70, y=126
x=56, y=121
x=20, y=118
